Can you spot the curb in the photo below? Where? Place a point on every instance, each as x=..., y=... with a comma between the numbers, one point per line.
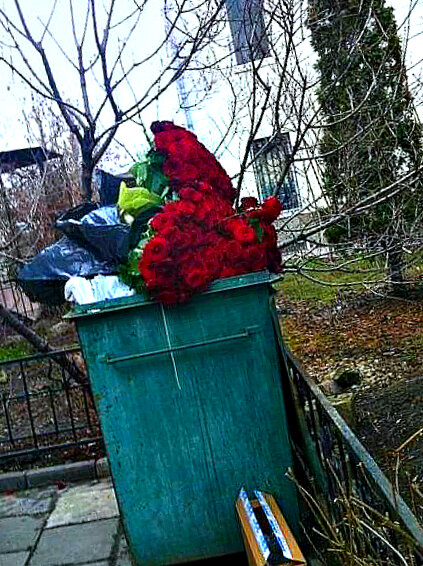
x=78, y=471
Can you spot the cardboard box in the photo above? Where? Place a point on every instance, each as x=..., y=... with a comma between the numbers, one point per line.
x=267, y=537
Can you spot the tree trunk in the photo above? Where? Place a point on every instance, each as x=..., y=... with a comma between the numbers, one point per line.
x=399, y=286
x=43, y=346
x=87, y=148
x=86, y=178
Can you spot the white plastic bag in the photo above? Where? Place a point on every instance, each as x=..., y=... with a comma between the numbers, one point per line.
x=102, y=287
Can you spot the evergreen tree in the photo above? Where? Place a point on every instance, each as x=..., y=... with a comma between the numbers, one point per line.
x=372, y=137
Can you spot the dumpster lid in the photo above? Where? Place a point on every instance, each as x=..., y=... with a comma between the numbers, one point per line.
x=101, y=307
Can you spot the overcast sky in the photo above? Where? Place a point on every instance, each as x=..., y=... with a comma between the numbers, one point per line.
x=15, y=96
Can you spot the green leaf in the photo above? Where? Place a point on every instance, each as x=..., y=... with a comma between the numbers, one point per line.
x=129, y=273
x=140, y=171
x=148, y=172
x=134, y=200
x=255, y=224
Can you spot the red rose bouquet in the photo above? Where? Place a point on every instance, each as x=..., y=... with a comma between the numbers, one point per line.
x=199, y=236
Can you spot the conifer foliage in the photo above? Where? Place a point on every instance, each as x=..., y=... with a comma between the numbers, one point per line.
x=372, y=137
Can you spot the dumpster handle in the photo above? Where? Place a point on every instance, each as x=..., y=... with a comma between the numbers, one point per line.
x=249, y=330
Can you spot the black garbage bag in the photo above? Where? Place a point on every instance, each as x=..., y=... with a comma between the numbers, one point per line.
x=109, y=185
x=100, y=231
x=78, y=212
x=43, y=279
x=69, y=222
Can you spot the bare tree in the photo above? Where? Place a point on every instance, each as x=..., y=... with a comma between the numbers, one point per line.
x=31, y=199
x=275, y=121
x=34, y=195
x=254, y=57
x=103, y=36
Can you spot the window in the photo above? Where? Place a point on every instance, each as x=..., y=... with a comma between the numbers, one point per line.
x=269, y=155
x=248, y=30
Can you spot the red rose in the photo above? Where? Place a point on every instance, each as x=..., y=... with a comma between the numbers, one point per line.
x=210, y=240
x=192, y=236
x=270, y=236
x=163, y=220
x=242, y=232
x=169, y=297
x=233, y=253
x=190, y=260
x=205, y=187
x=185, y=208
x=187, y=193
x=153, y=277
x=164, y=139
x=173, y=237
x=274, y=260
x=248, y=202
x=257, y=258
x=156, y=249
x=180, y=170
x=225, y=209
x=211, y=259
x=205, y=212
x=271, y=209
x=146, y=270
x=228, y=272
x=196, y=279
x=162, y=126
x=185, y=146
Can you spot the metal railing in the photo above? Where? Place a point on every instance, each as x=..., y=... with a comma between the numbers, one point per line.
x=346, y=490
x=13, y=298
x=42, y=409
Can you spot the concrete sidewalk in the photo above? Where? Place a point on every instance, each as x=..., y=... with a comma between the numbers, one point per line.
x=75, y=526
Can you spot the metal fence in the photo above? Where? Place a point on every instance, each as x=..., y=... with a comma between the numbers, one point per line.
x=351, y=502
x=42, y=410
x=13, y=298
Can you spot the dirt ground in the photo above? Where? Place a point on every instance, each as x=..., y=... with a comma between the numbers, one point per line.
x=382, y=338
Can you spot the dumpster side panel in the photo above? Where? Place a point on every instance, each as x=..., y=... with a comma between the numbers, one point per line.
x=185, y=429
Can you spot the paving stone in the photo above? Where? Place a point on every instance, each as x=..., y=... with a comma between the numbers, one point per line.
x=28, y=502
x=123, y=545
x=13, y=480
x=103, y=483
x=102, y=468
x=18, y=533
x=123, y=553
x=123, y=561
x=76, y=544
x=77, y=471
x=80, y=504
x=13, y=559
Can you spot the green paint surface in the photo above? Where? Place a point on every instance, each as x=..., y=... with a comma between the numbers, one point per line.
x=184, y=435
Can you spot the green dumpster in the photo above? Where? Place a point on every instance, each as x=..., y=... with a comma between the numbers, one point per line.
x=191, y=408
